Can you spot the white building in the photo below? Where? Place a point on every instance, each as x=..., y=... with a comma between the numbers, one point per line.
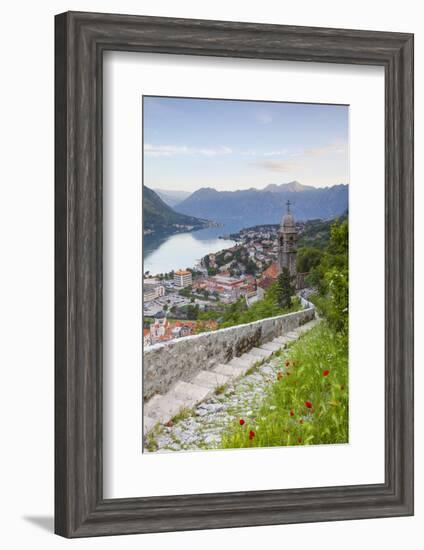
x=152, y=291
x=158, y=329
x=183, y=278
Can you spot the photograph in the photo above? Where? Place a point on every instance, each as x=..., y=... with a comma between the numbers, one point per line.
x=209, y=300
x=245, y=274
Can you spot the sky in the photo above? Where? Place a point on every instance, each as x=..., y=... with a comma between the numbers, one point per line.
x=230, y=145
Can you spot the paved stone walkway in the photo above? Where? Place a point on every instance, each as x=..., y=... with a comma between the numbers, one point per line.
x=193, y=415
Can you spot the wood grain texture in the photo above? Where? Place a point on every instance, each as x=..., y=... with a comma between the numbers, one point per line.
x=81, y=39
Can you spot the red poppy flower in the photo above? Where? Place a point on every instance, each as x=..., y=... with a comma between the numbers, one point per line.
x=308, y=404
x=326, y=373
x=241, y=421
x=292, y=412
x=251, y=434
x=287, y=363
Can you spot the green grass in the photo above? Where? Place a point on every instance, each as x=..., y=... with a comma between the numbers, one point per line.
x=284, y=417
x=254, y=367
x=150, y=439
x=238, y=313
x=183, y=414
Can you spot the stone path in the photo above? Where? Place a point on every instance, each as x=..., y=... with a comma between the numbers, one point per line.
x=193, y=415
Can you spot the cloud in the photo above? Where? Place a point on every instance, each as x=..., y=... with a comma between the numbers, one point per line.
x=264, y=118
x=164, y=150
x=299, y=160
x=175, y=150
x=279, y=153
x=214, y=152
x=333, y=148
x=277, y=165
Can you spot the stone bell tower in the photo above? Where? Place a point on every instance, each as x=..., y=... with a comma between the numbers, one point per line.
x=287, y=243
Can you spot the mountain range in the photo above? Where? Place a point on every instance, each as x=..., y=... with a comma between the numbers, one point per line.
x=257, y=206
x=158, y=217
x=170, y=197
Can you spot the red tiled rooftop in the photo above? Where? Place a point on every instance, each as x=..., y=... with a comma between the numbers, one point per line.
x=271, y=272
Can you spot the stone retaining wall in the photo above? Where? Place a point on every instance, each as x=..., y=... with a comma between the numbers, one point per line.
x=181, y=359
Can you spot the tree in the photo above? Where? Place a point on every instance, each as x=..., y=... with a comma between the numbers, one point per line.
x=337, y=278
x=331, y=277
x=206, y=262
x=192, y=312
x=307, y=259
x=186, y=292
x=338, y=304
x=284, y=288
x=251, y=267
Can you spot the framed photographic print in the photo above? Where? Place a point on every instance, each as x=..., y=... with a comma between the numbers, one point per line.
x=234, y=274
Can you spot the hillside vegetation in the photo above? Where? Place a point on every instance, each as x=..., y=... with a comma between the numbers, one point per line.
x=279, y=299
x=307, y=404
x=161, y=218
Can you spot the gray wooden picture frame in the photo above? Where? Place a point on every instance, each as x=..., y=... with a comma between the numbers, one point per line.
x=80, y=40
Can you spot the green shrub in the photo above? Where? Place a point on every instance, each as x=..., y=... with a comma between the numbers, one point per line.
x=331, y=279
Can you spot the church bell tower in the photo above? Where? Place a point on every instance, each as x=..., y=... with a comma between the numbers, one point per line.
x=287, y=243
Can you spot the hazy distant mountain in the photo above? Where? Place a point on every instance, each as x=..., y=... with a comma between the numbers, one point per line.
x=252, y=206
x=170, y=197
x=294, y=186
x=158, y=217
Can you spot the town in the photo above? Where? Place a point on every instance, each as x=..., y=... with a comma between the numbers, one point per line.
x=187, y=301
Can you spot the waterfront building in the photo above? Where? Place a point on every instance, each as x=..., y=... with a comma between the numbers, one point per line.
x=152, y=290
x=183, y=278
